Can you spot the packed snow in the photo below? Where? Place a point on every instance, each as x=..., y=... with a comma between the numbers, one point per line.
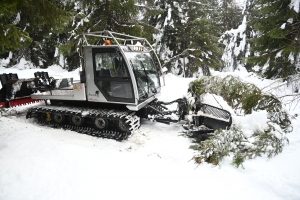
x=38, y=162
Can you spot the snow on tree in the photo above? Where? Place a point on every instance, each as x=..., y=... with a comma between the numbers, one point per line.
x=276, y=46
x=236, y=41
x=92, y=15
x=28, y=30
x=188, y=43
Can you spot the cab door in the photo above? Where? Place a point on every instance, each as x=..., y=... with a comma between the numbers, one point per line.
x=111, y=75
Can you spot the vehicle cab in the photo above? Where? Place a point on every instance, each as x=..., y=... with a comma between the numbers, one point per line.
x=121, y=74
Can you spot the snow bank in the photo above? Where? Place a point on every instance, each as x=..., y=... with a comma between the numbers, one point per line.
x=39, y=162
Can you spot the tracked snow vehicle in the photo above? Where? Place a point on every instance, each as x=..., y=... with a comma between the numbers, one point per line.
x=119, y=84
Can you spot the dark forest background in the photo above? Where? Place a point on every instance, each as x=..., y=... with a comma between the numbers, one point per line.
x=191, y=37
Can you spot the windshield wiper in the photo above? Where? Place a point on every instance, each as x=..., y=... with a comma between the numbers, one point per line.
x=147, y=78
x=135, y=71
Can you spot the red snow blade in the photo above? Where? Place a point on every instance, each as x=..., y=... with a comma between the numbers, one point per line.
x=22, y=101
x=2, y=104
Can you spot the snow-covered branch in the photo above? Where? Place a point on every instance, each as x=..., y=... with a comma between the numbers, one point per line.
x=177, y=56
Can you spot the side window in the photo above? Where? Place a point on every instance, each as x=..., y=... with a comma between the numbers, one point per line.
x=111, y=75
x=110, y=64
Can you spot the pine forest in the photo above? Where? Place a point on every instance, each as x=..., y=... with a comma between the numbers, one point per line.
x=191, y=37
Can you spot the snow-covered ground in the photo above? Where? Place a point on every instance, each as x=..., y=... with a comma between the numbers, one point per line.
x=40, y=163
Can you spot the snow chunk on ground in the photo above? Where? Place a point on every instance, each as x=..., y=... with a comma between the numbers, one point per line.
x=251, y=123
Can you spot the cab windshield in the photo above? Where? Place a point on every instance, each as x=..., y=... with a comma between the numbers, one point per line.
x=145, y=73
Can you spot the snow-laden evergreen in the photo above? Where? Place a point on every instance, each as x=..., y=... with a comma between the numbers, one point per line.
x=236, y=47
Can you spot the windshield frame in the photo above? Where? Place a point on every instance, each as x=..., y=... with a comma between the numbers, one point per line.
x=146, y=73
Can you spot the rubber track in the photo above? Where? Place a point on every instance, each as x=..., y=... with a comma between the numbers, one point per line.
x=131, y=120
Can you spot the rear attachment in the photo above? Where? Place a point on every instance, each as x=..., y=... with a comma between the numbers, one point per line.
x=16, y=92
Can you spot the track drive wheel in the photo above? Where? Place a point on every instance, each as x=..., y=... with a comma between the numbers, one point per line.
x=122, y=125
x=59, y=118
x=100, y=123
x=77, y=120
x=47, y=117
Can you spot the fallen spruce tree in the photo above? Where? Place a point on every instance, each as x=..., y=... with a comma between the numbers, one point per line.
x=245, y=99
